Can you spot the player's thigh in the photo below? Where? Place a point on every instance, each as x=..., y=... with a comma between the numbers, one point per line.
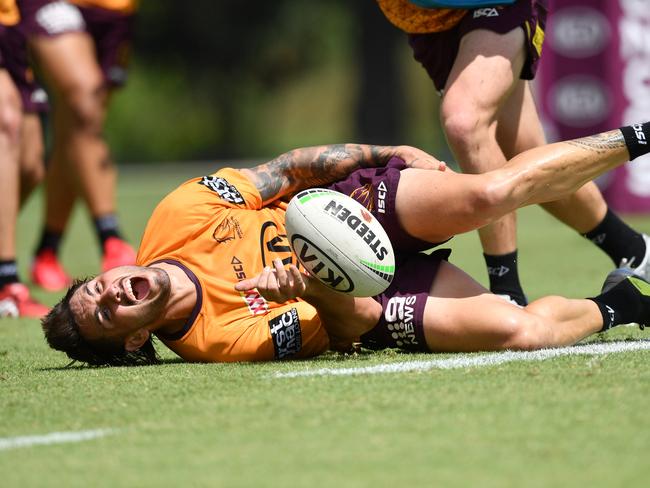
x=68, y=62
x=436, y=205
x=477, y=323
x=519, y=127
x=484, y=73
x=10, y=105
x=32, y=166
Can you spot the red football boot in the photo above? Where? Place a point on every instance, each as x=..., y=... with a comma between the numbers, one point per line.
x=15, y=301
x=48, y=273
x=117, y=253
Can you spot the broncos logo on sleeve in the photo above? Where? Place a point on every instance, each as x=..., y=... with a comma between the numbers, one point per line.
x=222, y=188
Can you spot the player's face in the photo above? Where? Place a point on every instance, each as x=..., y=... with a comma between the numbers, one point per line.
x=120, y=301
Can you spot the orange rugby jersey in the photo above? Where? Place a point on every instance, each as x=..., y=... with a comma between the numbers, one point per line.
x=216, y=227
x=418, y=20
x=9, y=14
x=124, y=6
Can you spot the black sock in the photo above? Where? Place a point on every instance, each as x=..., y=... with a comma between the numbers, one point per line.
x=8, y=272
x=106, y=227
x=504, y=277
x=618, y=240
x=627, y=302
x=637, y=139
x=50, y=240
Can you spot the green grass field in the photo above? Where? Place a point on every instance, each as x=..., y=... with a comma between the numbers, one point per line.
x=568, y=421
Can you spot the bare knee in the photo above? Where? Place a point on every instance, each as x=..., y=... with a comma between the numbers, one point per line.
x=85, y=103
x=11, y=120
x=527, y=333
x=461, y=123
x=490, y=198
x=32, y=169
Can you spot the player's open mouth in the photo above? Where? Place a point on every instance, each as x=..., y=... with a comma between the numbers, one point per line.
x=136, y=289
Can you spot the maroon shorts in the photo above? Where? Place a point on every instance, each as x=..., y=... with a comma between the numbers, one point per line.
x=13, y=49
x=375, y=189
x=111, y=31
x=437, y=51
x=402, y=321
x=401, y=325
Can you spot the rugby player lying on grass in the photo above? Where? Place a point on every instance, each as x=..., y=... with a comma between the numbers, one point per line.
x=216, y=279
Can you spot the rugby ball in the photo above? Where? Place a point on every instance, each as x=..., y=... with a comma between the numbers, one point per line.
x=340, y=242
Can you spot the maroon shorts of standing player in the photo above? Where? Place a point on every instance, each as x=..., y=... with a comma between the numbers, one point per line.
x=437, y=51
x=111, y=31
x=401, y=324
x=13, y=51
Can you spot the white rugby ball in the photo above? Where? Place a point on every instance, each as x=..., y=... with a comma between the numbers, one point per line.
x=339, y=242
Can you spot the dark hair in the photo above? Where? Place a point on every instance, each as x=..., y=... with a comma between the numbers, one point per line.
x=62, y=333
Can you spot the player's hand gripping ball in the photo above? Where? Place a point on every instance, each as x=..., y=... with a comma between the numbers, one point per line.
x=339, y=242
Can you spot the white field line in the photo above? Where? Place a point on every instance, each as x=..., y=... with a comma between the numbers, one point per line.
x=475, y=360
x=52, y=438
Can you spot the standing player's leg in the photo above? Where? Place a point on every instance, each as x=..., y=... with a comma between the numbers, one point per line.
x=10, y=122
x=586, y=210
x=15, y=299
x=61, y=190
x=482, y=80
x=32, y=168
x=70, y=68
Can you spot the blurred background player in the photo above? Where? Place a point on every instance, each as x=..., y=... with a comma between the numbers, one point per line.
x=481, y=62
x=21, y=161
x=81, y=53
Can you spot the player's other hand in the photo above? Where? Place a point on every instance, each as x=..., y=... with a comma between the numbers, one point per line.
x=417, y=158
x=276, y=284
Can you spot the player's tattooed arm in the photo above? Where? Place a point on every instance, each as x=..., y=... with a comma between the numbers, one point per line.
x=320, y=165
x=313, y=166
x=601, y=143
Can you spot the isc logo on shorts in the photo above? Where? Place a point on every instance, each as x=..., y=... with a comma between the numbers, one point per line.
x=381, y=197
x=286, y=334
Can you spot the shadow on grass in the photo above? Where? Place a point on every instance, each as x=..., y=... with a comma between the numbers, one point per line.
x=329, y=356
x=75, y=365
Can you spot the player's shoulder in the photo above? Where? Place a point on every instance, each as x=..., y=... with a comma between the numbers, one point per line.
x=225, y=188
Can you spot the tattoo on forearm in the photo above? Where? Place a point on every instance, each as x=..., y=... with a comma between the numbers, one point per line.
x=267, y=177
x=313, y=166
x=601, y=143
